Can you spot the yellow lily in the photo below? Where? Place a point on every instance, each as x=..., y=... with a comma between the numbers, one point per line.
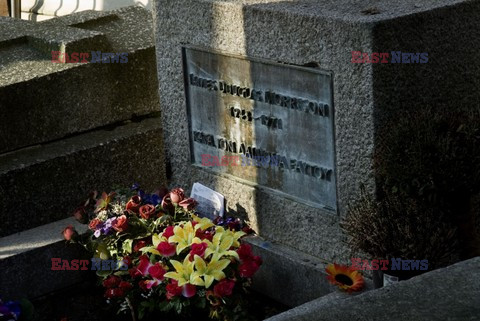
x=203, y=223
x=221, y=243
x=156, y=239
x=184, y=237
x=184, y=273
x=211, y=271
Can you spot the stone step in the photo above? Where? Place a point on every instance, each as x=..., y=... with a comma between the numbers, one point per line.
x=45, y=183
x=26, y=261
x=450, y=293
x=290, y=276
x=42, y=101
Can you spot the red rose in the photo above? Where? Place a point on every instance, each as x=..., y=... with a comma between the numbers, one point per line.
x=139, y=245
x=166, y=249
x=224, y=288
x=177, y=195
x=93, y=224
x=157, y=271
x=248, y=268
x=117, y=292
x=69, y=233
x=81, y=215
x=111, y=282
x=127, y=260
x=188, y=204
x=258, y=260
x=143, y=285
x=124, y=285
x=167, y=205
x=121, y=224
x=109, y=293
x=173, y=289
x=144, y=265
x=147, y=211
x=134, y=272
x=133, y=204
x=198, y=249
x=168, y=232
x=204, y=235
x=248, y=230
x=189, y=290
x=245, y=252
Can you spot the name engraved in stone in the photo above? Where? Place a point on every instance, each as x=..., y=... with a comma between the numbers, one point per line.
x=298, y=166
x=268, y=97
x=248, y=108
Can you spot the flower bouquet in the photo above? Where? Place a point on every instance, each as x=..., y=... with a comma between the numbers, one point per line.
x=21, y=310
x=166, y=257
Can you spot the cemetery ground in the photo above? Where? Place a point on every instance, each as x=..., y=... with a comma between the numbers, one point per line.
x=86, y=302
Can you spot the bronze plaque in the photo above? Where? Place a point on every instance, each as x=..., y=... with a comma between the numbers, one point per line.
x=263, y=123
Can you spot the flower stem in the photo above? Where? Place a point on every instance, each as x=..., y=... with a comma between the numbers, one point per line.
x=132, y=311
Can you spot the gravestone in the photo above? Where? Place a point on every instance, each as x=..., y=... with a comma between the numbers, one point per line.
x=75, y=126
x=67, y=129
x=284, y=79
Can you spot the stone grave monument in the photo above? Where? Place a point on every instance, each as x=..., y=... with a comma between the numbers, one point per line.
x=306, y=87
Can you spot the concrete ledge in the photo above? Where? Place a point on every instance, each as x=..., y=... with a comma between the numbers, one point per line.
x=25, y=261
x=290, y=276
x=45, y=183
x=451, y=293
x=43, y=101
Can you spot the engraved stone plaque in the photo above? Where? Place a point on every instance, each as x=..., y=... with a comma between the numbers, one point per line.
x=263, y=123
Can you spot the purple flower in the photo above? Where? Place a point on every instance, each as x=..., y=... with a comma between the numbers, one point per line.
x=135, y=187
x=109, y=222
x=107, y=226
x=153, y=199
x=11, y=309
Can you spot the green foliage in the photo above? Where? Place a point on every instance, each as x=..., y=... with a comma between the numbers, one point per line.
x=399, y=226
x=27, y=310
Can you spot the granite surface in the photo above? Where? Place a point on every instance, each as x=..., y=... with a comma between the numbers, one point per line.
x=320, y=34
x=43, y=101
x=443, y=294
x=45, y=183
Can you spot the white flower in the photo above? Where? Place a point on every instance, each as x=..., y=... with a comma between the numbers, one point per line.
x=118, y=208
x=102, y=215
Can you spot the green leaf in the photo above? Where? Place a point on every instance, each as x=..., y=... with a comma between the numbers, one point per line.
x=103, y=273
x=165, y=306
x=127, y=246
x=121, y=272
x=201, y=303
x=141, y=313
x=27, y=310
